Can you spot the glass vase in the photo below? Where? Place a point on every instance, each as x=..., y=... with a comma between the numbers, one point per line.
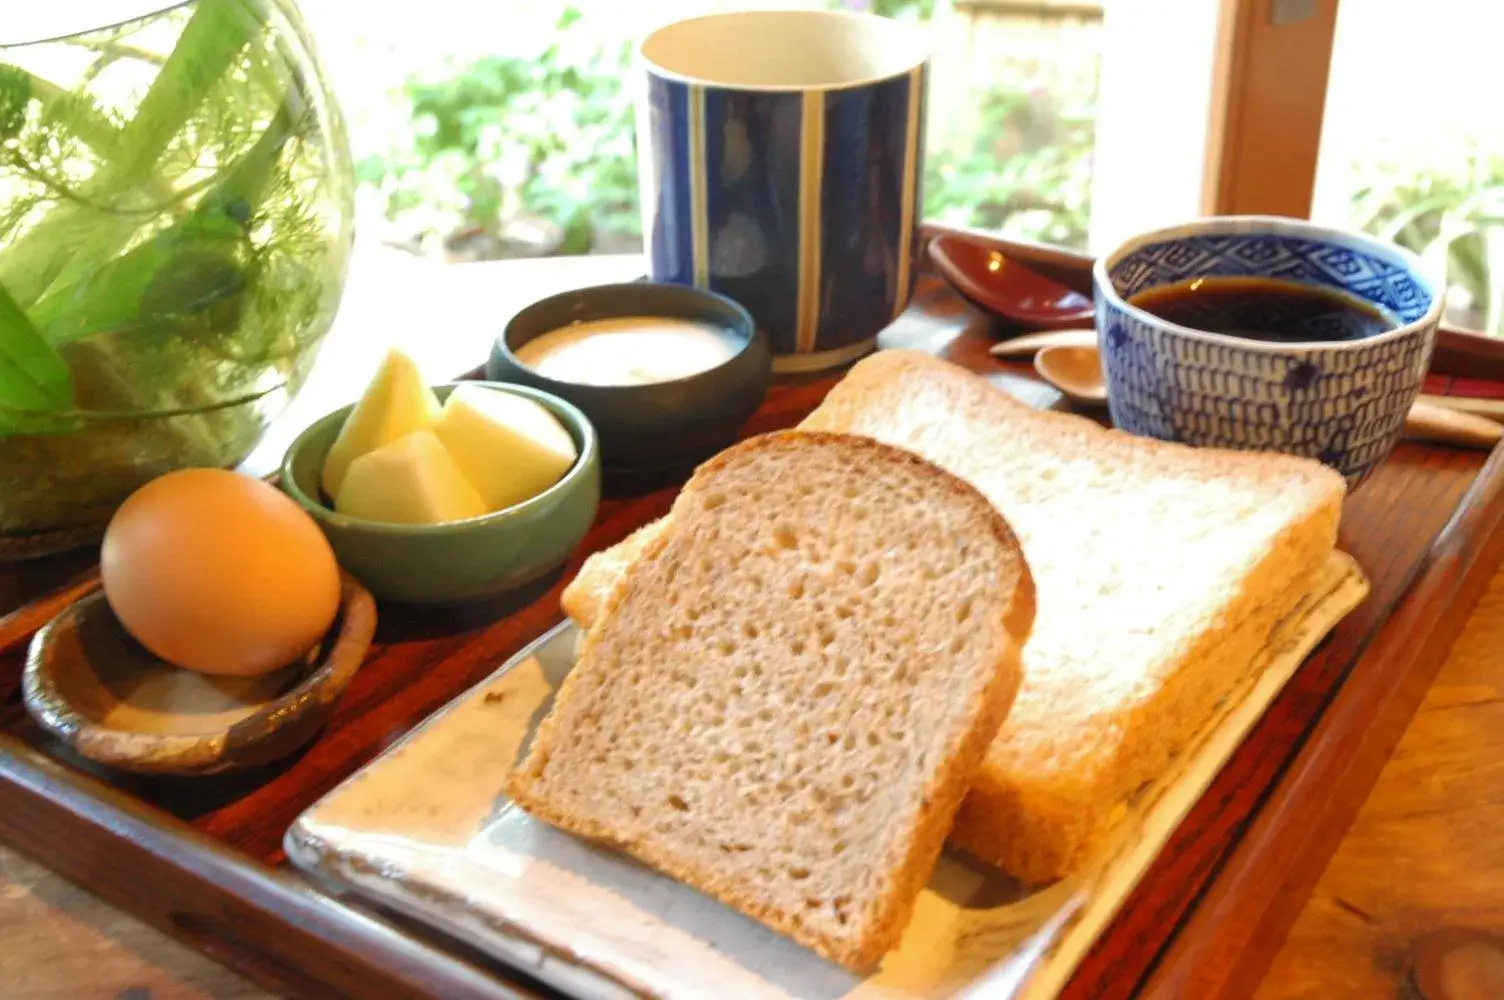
x=176, y=202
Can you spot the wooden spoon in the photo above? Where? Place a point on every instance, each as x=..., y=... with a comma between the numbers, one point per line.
x=1444, y=425
x=1076, y=371
x=1027, y=344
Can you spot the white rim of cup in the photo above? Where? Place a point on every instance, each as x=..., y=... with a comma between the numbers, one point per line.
x=921, y=54
x=1252, y=224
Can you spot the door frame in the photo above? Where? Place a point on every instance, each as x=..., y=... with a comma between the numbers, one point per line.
x=1269, y=86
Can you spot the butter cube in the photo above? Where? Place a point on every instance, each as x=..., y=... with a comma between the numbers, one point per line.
x=510, y=447
x=397, y=402
x=412, y=480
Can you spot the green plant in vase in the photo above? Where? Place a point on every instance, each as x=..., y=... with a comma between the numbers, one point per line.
x=175, y=206
x=1452, y=216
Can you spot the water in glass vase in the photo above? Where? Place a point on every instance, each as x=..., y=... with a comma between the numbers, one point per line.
x=175, y=206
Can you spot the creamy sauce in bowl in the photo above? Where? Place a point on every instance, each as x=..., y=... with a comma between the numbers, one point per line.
x=627, y=350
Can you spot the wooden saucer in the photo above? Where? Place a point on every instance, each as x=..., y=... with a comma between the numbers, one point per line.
x=90, y=684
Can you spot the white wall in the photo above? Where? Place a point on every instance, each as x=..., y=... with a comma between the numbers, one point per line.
x=1152, y=116
x=1411, y=83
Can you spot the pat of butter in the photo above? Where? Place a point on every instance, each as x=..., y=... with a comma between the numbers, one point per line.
x=397, y=402
x=412, y=480
x=510, y=447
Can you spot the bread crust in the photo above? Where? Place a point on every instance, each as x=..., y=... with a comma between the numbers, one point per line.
x=1040, y=832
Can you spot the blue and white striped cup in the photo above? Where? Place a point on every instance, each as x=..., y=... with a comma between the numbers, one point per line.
x=780, y=155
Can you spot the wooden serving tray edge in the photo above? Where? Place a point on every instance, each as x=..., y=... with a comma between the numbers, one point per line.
x=286, y=935
x=1223, y=947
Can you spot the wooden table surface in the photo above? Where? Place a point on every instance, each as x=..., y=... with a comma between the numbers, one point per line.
x=1424, y=853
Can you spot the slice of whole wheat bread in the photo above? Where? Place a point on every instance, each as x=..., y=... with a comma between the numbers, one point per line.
x=1161, y=570
x=785, y=700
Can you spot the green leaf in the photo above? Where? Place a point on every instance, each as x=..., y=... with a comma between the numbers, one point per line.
x=15, y=94
x=32, y=376
x=182, y=270
x=1402, y=220
x=214, y=36
x=140, y=283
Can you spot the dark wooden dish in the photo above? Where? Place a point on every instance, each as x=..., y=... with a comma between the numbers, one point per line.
x=79, y=662
x=202, y=858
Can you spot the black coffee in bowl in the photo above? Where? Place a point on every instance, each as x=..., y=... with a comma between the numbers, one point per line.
x=1266, y=309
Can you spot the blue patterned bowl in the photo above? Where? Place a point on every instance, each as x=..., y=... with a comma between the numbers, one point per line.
x=1340, y=401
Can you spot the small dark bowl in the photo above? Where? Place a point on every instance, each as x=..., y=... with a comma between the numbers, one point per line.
x=660, y=425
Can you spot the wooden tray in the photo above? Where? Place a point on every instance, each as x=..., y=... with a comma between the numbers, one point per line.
x=202, y=859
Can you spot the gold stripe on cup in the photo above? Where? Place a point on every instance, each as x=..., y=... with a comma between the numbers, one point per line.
x=910, y=170
x=811, y=174
x=699, y=211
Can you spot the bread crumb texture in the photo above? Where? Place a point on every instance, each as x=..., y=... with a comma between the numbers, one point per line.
x=786, y=697
x=1161, y=570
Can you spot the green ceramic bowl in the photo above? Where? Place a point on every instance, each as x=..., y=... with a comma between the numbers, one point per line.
x=464, y=560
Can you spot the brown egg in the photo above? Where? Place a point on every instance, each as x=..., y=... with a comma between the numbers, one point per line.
x=219, y=572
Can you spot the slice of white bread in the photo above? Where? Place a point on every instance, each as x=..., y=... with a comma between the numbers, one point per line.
x=1161, y=570
x=786, y=699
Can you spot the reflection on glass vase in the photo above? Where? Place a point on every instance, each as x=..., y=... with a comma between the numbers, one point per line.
x=175, y=227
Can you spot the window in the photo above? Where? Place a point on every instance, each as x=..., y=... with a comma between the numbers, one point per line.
x=506, y=130
x=1418, y=156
